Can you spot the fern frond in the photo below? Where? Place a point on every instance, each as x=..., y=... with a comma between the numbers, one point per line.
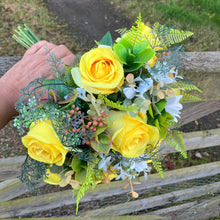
x=117, y=105
x=188, y=86
x=122, y=31
x=175, y=139
x=86, y=185
x=168, y=36
x=158, y=167
x=176, y=36
x=135, y=33
x=189, y=98
x=160, y=31
x=153, y=152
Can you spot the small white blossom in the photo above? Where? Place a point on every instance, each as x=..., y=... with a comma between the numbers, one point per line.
x=81, y=92
x=129, y=92
x=173, y=106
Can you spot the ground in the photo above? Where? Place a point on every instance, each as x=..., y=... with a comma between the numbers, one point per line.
x=91, y=19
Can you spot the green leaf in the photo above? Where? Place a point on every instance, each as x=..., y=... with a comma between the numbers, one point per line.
x=58, y=86
x=121, y=52
x=56, y=169
x=80, y=175
x=105, y=139
x=71, y=97
x=175, y=139
x=132, y=67
x=77, y=164
x=150, y=111
x=144, y=56
x=102, y=143
x=161, y=104
x=126, y=43
x=107, y=40
x=140, y=46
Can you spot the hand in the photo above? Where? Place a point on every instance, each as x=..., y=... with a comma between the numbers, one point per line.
x=33, y=65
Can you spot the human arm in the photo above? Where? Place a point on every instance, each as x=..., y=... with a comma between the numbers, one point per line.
x=33, y=65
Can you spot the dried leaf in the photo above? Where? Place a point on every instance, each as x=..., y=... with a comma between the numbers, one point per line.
x=69, y=173
x=68, y=179
x=63, y=183
x=136, y=183
x=126, y=186
x=74, y=183
x=130, y=78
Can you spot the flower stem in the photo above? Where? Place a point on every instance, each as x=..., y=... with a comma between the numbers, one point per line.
x=25, y=36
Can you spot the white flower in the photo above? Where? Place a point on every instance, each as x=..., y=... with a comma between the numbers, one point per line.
x=141, y=166
x=144, y=86
x=129, y=92
x=173, y=106
x=81, y=92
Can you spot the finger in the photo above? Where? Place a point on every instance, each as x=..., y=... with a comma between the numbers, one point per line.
x=34, y=48
x=44, y=48
x=68, y=60
x=61, y=51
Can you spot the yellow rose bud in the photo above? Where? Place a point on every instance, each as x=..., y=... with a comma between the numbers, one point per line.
x=43, y=144
x=53, y=178
x=131, y=135
x=101, y=71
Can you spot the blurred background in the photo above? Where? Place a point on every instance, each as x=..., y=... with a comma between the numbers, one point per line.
x=77, y=23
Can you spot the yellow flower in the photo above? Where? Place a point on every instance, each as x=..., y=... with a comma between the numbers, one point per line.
x=43, y=144
x=131, y=135
x=101, y=71
x=109, y=175
x=53, y=178
x=153, y=40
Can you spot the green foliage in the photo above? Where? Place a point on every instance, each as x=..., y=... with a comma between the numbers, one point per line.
x=68, y=79
x=134, y=35
x=176, y=36
x=158, y=117
x=175, y=139
x=117, y=105
x=132, y=50
x=101, y=143
x=158, y=167
x=167, y=36
x=58, y=86
x=187, y=85
x=107, y=40
x=189, y=98
x=32, y=172
x=87, y=183
x=156, y=158
x=56, y=64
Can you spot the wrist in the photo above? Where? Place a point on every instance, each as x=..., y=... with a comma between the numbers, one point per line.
x=7, y=108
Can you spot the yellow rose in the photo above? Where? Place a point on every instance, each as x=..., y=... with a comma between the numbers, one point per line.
x=131, y=135
x=101, y=71
x=53, y=178
x=43, y=144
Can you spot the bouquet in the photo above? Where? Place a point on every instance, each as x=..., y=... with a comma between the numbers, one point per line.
x=104, y=117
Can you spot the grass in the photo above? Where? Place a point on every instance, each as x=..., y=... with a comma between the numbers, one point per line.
x=199, y=16
x=35, y=14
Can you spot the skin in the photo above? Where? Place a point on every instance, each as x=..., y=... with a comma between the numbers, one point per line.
x=33, y=65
